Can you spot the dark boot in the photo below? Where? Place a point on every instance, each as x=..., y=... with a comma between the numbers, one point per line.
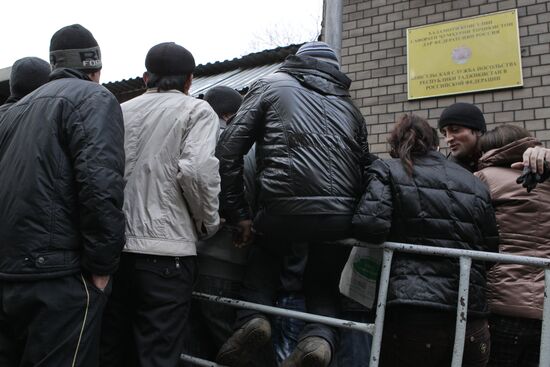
x=311, y=351
x=239, y=349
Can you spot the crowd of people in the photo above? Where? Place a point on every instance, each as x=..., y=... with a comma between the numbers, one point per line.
x=111, y=215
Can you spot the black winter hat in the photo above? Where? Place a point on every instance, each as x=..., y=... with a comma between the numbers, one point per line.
x=27, y=74
x=74, y=47
x=169, y=58
x=223, y=99
x=463, y=114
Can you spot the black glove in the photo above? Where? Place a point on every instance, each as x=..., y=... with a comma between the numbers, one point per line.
x=529, y=179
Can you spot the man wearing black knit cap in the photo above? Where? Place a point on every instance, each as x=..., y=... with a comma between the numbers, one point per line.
x=312, y=151
x=27, y=74
x=170, y=202
x=462, y=124
x=61, y=219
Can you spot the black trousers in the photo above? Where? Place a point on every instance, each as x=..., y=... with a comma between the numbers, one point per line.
x=52, y=322
x=515, y=341
x=145, y=317
x=415, y=336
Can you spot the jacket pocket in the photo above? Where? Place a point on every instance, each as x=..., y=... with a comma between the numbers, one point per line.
x=57, y=259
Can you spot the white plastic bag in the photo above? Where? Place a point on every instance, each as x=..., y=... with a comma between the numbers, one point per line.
x=359, y=277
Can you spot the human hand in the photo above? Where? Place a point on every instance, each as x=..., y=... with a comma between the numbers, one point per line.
x=534, y=158
x=100, y=281
x=244, y=235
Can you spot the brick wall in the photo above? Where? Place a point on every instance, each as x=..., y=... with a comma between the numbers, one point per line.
x=374, y=57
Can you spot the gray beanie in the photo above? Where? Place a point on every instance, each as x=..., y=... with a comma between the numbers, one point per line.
x=319, y=50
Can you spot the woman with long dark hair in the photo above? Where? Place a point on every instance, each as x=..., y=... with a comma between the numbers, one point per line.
x=420, y=197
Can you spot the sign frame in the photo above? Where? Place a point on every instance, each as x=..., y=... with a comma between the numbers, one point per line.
x=517, y=57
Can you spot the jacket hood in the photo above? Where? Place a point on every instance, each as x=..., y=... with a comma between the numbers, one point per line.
x=508, y=154
x=317, y=75
x=68, y=73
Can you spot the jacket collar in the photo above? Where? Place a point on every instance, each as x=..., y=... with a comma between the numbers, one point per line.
x=317, y=75
x=61, y=73
x=508, y=154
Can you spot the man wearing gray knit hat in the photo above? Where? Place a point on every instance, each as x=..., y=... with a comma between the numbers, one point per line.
x=311, y=142
x=320, y=51
x=61, y=219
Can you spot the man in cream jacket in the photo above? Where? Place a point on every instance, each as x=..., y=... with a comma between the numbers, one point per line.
x=171, y=201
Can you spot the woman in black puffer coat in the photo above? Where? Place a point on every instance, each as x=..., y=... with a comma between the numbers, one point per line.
x=421, y=198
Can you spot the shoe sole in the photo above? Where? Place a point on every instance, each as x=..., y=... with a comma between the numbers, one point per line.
x=241, y=355
x=313, y=360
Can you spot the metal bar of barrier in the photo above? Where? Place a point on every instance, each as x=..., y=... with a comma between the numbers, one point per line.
x=381, y=308
x=198, y=361
x=465, y=256
x=544, y=359
x=461, y=311
x=331, y=321
x=451, y=252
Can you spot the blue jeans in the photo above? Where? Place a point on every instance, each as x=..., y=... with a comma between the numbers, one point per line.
x=286, y=331
x=355, y=346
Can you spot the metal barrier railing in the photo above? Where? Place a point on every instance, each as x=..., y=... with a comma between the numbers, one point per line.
x=465, y=257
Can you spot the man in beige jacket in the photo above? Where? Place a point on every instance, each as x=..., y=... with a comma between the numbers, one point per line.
x=171, y=201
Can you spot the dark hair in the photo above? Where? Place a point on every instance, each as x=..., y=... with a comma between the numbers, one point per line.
x=502, y=135
x=411, y=136
x=163, y=82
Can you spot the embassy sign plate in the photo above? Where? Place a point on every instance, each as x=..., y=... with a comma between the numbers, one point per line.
x=468, y=55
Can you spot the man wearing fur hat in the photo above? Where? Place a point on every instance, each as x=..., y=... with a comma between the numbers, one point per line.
x=311, y=149
x=61, y=220
x=171, y=201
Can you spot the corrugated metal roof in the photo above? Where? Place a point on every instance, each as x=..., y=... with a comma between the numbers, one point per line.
x=239, y=79
x=237, y=73
x=5, y=73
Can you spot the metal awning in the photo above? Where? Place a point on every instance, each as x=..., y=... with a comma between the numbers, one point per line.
x=238, y=79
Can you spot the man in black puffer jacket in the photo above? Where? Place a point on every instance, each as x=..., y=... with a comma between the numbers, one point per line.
x=311, y=153
x=61, y=220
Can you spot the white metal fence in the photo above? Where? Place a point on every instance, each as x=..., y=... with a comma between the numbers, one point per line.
x=465, y=257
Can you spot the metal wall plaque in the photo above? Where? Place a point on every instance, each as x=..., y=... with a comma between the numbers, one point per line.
x=467, y=55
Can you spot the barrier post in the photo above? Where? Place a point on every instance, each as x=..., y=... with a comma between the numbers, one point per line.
x=381, y=307
x=544, y=359
x=461, y=311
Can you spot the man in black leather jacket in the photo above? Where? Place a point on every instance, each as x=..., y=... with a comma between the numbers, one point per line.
x=61, y=220
x=311, y=152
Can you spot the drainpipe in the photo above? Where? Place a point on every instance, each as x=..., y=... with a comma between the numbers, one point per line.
x=332, y=32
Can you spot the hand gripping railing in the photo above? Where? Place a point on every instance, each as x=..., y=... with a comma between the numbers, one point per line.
x=465, y=257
